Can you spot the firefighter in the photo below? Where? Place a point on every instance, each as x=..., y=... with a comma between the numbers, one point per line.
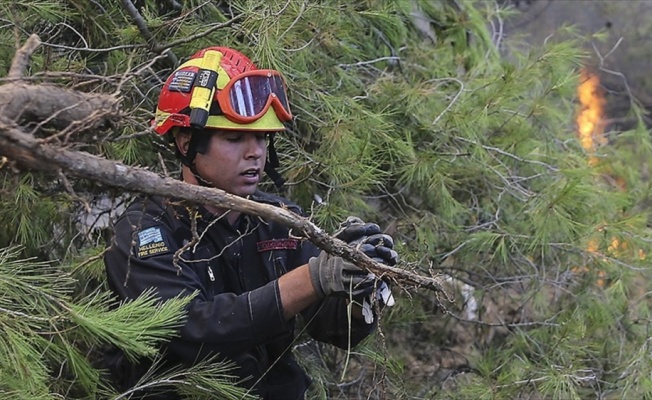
x=250, y=277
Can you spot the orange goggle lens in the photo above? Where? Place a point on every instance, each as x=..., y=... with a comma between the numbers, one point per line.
x=248, y=96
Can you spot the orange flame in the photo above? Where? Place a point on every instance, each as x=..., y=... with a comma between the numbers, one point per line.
x=590, y=127
x=590, y=131
x=589, y=117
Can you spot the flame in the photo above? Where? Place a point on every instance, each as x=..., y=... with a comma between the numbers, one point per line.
x=589, y=118
x=590, y=129
x=590, y=132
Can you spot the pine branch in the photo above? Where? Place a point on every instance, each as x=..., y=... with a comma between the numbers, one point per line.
x=144, y=30
x=207, y=379
x=44, y=331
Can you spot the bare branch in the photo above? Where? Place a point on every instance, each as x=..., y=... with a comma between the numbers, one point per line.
x=21, y=59
x=58, y=106
x=29, y=152
x=71, y=110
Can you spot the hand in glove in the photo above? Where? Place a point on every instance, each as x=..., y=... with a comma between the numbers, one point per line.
x=368, y=238
x=355, y=229
x=378, y=247
x=334, y=276
x=384, y=298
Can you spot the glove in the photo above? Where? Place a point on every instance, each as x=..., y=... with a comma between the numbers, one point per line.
x=354, y=229
x=334, y=276
x=368, y=238
x=378, y=247
x=383, y=296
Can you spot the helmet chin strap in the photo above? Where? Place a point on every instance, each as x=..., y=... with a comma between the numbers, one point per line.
x=273, y=163
x=197, y=144
x=202, y=182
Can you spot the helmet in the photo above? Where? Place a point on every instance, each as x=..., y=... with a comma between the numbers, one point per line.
x=221, y=88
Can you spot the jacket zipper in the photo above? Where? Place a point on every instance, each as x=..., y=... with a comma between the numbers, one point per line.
x=211, y=276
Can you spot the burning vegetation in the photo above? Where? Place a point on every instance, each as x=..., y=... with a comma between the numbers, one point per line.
x=590, y=115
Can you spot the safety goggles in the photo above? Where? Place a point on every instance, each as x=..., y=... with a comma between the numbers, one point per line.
x=248, y=96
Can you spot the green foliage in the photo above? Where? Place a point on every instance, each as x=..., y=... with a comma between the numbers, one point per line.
x=42, y=327
x=407, y=114
x=29, y=215
x=48, y=333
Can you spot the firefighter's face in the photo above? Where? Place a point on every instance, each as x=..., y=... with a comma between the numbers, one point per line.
x=234, y=161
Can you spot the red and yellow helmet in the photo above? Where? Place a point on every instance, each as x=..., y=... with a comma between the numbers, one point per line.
x=221, y=88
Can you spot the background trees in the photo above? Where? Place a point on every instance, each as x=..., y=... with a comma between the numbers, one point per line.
x=418, y=115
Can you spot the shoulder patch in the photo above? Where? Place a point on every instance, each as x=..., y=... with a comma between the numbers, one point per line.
x=277, y=244
x=151, y=242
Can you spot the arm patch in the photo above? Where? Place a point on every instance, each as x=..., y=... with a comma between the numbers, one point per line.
x=151, y=242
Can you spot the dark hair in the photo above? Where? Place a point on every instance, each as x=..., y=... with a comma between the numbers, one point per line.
x=198, y=143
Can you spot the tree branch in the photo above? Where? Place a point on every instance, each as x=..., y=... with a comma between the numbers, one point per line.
x=144, y=30
x=21, y=58
x=57, y=106
x=29, y=152
x=54, y=105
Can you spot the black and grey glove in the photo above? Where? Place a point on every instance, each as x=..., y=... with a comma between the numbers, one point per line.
x=334, y=276
x=355, y=229
x=368, y=238
x=383, y=298
x=379, y=247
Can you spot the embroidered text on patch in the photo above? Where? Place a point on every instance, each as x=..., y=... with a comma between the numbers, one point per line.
x=277, y=244
x=150, y=242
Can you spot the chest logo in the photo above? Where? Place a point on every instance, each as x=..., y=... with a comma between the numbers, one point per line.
x=277, y=244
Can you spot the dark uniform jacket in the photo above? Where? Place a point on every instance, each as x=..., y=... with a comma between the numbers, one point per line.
x=237, y=313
